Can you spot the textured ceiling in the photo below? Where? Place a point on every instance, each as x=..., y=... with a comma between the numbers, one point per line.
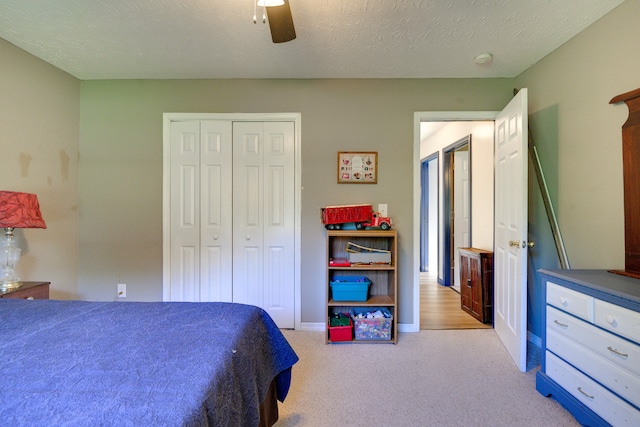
x=188, y=39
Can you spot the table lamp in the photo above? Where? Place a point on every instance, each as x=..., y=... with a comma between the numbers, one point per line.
x=17, y=210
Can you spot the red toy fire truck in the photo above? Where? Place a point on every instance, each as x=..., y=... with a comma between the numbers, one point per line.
x=334, y=217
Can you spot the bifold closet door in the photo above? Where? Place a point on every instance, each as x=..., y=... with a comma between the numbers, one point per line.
x=263, y=217
x=233, y=214
x=201, y=216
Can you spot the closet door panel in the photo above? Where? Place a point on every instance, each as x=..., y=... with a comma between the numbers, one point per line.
x=216, y=283
x=279, y=222
x=185, y=211
x=248, y=262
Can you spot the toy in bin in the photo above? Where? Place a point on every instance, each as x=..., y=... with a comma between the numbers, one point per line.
x=372, y=323
x=350, y=288
x=340, y=327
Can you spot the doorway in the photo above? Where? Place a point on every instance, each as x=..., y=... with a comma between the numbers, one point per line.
x=445, y=141
x=510, y=290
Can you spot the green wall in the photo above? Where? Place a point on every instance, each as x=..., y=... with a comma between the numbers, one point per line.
x=579, y=140
x=121, y=165
x=39, y=122
x=112, y=170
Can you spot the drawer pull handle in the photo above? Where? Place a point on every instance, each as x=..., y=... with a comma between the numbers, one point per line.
x=611, y=320
x=563, y=301
x=615, y=351
x=587, y=395
x=564, y=325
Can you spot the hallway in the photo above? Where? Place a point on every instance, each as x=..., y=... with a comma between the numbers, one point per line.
x=440, y=307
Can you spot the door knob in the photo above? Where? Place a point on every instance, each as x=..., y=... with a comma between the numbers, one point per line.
x=530, y=244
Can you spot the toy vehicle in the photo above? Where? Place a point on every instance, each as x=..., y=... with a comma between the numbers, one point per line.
x=334, y=217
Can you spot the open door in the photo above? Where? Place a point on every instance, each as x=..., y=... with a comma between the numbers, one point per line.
x=510, y=253
x=456, y=207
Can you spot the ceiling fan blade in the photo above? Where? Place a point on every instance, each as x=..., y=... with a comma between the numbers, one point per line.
x=281, y=23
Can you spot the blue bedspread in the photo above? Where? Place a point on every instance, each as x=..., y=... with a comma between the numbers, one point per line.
x=80, y=363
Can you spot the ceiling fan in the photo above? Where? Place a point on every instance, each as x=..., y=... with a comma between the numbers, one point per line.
x=280, y=20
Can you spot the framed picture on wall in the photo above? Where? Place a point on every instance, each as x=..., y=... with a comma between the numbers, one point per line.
x=357, y=167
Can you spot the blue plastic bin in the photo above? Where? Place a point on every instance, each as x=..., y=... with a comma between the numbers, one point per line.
x=350, y=288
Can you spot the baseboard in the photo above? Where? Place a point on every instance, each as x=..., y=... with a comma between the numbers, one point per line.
x=312, y=327
x=536, y=340
x=407, y=327
x=402, y=327
x=321, y=327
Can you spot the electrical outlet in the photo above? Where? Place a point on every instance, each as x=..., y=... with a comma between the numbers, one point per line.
x=122, y=290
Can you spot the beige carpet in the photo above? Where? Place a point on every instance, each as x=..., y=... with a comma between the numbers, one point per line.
x=430, y=378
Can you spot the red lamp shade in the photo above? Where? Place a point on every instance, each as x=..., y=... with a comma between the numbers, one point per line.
x=20, y=210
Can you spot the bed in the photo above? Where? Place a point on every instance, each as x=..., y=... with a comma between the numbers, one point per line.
x=128, y=364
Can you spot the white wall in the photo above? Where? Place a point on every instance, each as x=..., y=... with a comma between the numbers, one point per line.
x=481, y=178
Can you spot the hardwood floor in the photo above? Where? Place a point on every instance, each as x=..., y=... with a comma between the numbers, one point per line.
x=440, y=307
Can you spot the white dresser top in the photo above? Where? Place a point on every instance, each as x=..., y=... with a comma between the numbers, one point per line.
x=616, y=288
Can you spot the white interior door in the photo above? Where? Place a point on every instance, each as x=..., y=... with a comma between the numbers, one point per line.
x=461, y=206
x=263, y=206
x=510, y=253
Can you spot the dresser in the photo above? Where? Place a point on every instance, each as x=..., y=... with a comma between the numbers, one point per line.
x=591, y=345
x=476, y=283
x=28, y=290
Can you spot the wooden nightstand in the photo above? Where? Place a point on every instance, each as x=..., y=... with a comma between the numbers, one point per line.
x=28, y=290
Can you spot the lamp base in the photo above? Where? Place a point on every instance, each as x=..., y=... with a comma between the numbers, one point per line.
x=9, y=257
x=5, y=286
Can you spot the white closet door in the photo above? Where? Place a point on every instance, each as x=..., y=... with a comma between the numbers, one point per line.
x=232, y=209
x=248, y=194
x=216, y=220
x=185, y=211
x=263, y=231
x=279, y=218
